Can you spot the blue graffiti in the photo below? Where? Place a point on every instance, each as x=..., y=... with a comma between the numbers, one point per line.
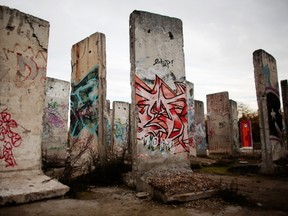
x=266, y=73
x=200, y=137
x=84, y=97
x=120, y=132
x=108, y=128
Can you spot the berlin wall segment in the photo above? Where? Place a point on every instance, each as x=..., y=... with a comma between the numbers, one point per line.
x=120, y=129
x=234, y=127
x=159, y=107
x=200, y=130
x=24, y=42
x=88, y=101
x=191, y=130
x=270, y=118
x=108, y=129
x=219, y=123
x=55, y=134
x=284, y=90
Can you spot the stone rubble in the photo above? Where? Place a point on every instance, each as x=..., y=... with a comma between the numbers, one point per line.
x=181, y=181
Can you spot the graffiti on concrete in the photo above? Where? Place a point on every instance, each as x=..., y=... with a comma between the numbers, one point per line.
x=211, y=132
x=84, y=98
x=31, y=64
x=273, y=106
x=107, y=119
x=120, y=131
x=152, y=142
x=8, y=138
x=162, y=115
x=163, y=63
x=191, y=114
x=235, y=134
x=274, y=114
x=52, y=115
x=200, y=136
x=266, y=73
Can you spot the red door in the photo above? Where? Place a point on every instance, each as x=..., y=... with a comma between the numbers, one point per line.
x=246, y=133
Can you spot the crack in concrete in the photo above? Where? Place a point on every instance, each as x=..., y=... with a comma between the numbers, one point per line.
x=33, y=34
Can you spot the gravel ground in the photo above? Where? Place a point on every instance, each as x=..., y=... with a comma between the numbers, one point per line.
x=179, y=181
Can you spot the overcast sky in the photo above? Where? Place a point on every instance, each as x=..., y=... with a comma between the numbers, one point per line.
x=219, y=39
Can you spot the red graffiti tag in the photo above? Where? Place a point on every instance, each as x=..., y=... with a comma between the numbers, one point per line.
x=31, y=64
x=162, y=113
x=8, y=138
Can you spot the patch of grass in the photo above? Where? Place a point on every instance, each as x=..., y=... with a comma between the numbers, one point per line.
x=221, y=170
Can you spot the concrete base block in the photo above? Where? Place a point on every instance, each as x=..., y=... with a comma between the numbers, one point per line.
x=176, y=185
x=186, y=197
x=25, y=186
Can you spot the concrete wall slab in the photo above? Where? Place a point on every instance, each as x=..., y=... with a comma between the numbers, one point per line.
x=159, y=107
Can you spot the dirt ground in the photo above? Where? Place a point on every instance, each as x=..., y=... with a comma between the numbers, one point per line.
x=120, y=200
x=245, y=193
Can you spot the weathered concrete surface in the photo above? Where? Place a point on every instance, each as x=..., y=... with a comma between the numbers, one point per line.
x=23, y=51
x=121, y=129
x=55, y=134
x=234, y=128
x=270, y=118
x=26, y=186
x=108, y=129
x=87, y=136
x=284, y=90
x=191, y=128
x=159, y=108
x=200, y=130
x=219, y=123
